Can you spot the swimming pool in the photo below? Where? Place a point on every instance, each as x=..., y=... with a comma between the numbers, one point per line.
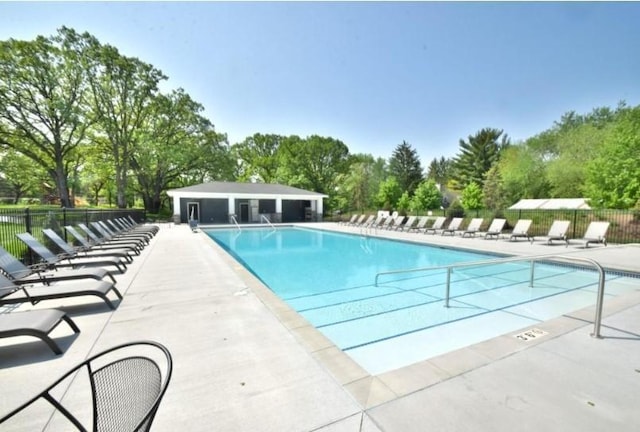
x=328, y=278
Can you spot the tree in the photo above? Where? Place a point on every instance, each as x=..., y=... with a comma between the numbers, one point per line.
x=403, y=204
x=439, y=170
x=523, y=174
x=313, y=163
x=471, y=197
x=259, y=157
x=477, y=156
x=613, y=176
x=357, y=187
x=122, y=91
x=43, y=110
x=389, y=193
x=493, y=192
x=169, y=144
x=22, y=174
x=426, y=197
x=405, y=166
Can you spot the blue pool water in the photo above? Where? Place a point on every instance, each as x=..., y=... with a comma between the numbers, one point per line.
x=329, y=277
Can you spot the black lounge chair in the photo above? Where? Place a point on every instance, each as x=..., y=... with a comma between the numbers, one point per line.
x=65, y=261
x=36, y=293
x=69, y=251
x=124, y=387
x=37, y=323
x=22, y=274
x=95, y=245
x=106, y=239
x=121, y=226
x=130, y=221
x=107, y=232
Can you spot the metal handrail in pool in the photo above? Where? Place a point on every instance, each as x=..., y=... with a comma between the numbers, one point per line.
x=532, y=259
x=235, y=221
x=268, y=221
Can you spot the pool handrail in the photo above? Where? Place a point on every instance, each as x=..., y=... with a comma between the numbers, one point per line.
x=235, y=221
x=601, y=277
x=268, y=221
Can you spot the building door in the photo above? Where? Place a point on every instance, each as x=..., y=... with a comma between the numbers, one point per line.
x=193, y=211
x=244, y=212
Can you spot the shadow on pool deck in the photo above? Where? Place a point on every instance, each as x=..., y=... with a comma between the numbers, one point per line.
x=244, y=361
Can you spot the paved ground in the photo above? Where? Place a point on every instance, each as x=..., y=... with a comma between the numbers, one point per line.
x=245, y=362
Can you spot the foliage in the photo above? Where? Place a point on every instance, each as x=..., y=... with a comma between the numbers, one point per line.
x=43, y=109
x=613, y=176
x=358, y=186
x=493, y=192
x=522, y=175
x=439, y=170
x=405, y=166
x=403, y=204
x=258, y=155
x=22, y=174
x=427, y=196
x=477, y=155
x=455, y=210
x=389, y=193
x=471, y=197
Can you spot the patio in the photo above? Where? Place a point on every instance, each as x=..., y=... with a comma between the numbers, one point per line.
x=243, y=361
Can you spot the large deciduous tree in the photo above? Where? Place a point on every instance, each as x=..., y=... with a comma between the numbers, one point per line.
x=405, y=166
x=258, y=156
x=43, y=107
x=477, y=155
x=313, y=163
x=122, y=90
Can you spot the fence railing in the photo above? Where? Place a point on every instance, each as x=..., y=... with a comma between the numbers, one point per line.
x=624, y=228
x=15, y=221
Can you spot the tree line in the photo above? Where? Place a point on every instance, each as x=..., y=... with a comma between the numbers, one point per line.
x=80, y=115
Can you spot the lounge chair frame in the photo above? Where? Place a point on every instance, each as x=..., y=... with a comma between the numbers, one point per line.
x=36, y=323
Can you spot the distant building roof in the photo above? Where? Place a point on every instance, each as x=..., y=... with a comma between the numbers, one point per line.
x=243, y=189
x=551, y=204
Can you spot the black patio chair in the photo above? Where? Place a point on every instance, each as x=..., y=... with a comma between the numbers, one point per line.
x=126, y=384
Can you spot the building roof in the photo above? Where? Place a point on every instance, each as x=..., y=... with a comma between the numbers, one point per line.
x=243, y=189
x=551, y=204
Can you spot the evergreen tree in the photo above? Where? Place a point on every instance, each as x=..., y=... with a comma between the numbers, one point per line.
x=477, y=156
x=405, y=166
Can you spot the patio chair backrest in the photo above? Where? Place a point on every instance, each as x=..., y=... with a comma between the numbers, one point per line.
x=12, y=266
x=59, y=241
x=79, y=237
x=559, y=228
x=439, y=222
x=422, y=222
x=38, y=248
x=127, y=384
x=597, y=230
x=455, y=223
x=475, y=224
x=496, y=225
x=522, y=226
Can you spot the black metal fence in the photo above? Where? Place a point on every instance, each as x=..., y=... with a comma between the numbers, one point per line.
x=624, y=228
x=15, y=221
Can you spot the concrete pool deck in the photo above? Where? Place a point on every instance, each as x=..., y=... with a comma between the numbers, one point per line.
x=244, y=361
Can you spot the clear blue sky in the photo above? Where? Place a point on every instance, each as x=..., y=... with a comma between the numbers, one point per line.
x=370, y=74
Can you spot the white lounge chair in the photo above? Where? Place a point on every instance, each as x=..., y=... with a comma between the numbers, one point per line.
x=558, y=231
x=408, y=224
x=396, y=223
x=422, y=223
x=495, y=229
x=437, y=225
x=596, y=233
x=521, y=230
x=454, y=226
x=473, y=228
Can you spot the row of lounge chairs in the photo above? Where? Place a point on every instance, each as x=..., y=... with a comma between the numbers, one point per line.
x=595, y=234
x=110, y=244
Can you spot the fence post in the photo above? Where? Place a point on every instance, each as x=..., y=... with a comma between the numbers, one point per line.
x=27, y=220
x=575, y=219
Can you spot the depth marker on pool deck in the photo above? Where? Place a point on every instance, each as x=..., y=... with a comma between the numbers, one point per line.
x=531, y=334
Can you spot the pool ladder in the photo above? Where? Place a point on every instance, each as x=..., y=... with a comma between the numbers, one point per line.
x=532, y=259
x=235, y=221
x=266, y=219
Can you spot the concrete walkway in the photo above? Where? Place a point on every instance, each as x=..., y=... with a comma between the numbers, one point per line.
x=244, y=361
